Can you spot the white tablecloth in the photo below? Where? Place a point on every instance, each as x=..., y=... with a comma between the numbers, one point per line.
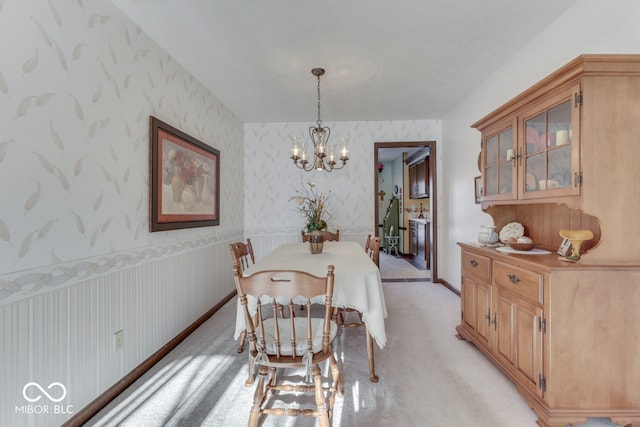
x=357, y=282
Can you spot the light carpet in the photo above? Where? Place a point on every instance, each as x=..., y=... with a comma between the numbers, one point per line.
x=397, y=268
x=427, y=376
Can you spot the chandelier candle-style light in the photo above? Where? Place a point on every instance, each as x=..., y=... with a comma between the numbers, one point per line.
x=323, y=159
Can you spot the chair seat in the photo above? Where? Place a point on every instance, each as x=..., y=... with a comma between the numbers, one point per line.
x=284, y=326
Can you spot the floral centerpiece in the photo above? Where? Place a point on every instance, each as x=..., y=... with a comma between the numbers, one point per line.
x=314, y=205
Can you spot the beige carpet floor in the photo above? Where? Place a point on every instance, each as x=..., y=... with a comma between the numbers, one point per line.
x=427, y=376
x=398, y=269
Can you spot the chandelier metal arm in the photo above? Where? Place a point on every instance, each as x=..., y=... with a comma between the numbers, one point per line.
x=327, y=166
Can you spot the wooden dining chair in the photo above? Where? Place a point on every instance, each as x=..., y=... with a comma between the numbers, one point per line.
x=276, y=344
x=241, y=253
x=373, y=249
x=367, y=243
x=327, y=235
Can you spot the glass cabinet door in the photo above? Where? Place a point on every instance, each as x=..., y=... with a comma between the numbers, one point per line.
x=499, y=172
x=549, y=152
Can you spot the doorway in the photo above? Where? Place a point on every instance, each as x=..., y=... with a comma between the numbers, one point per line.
x=387, y=150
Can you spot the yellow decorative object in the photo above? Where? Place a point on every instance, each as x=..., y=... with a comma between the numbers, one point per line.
x=576, y=237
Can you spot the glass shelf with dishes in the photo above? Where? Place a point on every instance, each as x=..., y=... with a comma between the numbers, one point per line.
x=499, y=171
x=549, y=166
x=534, y=155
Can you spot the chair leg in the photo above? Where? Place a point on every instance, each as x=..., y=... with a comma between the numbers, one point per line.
x=321, y=404
x=337, y=377
x=258, y=398
x=242, y=341
x=251, y=378
x=272, y=380
x=372, y=368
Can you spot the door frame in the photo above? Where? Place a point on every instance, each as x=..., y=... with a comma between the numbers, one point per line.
x=433, y=196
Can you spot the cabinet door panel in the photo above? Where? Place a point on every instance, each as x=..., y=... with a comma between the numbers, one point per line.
x=469, y=306
x=476, y=296
x=421, y=240
x=550, y=147
x=499, y=165
x=519, y=339
x=505, y=309
x=529, y=344
x=413, y=238
x=422, y=178
x=413, y=182
x=483, y=312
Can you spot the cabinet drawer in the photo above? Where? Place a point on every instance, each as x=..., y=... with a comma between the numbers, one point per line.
x=476, y=264
x=527, y=284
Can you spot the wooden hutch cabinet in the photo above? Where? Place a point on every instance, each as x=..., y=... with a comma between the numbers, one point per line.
x=418, y=174
x=563, y=155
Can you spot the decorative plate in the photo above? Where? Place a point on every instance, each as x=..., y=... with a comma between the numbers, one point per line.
x=509, y=250
x=513, y=229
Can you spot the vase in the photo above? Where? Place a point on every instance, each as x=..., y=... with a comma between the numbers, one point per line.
x=576, y=237
x=488, y=235
x=188, y=197
x=177, y=185
x=316, y=242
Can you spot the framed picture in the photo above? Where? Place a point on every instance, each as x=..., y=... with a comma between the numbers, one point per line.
x=185, y=180
x=477, y=181
x=564, y=248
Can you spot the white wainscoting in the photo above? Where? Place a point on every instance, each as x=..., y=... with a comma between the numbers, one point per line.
x=65, y=335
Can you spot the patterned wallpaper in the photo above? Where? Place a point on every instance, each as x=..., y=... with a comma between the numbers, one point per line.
x=271, y=178
x=78, y=82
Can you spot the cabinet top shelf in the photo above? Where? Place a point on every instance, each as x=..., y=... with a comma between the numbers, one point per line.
x=583, y=65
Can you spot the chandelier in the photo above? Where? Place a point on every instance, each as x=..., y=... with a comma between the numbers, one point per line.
x=324, y=155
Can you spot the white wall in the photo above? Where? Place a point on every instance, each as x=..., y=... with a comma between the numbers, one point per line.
x=590, y=26
x=271, y=178
x=78, y=83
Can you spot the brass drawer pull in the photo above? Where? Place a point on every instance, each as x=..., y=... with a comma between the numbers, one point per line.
x=514, y=279
x=473, y=263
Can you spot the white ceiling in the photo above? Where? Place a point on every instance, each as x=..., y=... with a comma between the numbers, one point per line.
x=385, y=59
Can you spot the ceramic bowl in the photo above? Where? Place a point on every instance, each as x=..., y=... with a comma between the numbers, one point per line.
x=521, y=246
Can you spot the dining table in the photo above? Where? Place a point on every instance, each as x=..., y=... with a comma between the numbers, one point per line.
x=357, y=284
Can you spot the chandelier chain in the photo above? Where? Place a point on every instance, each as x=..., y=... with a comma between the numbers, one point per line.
x=319, y=122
